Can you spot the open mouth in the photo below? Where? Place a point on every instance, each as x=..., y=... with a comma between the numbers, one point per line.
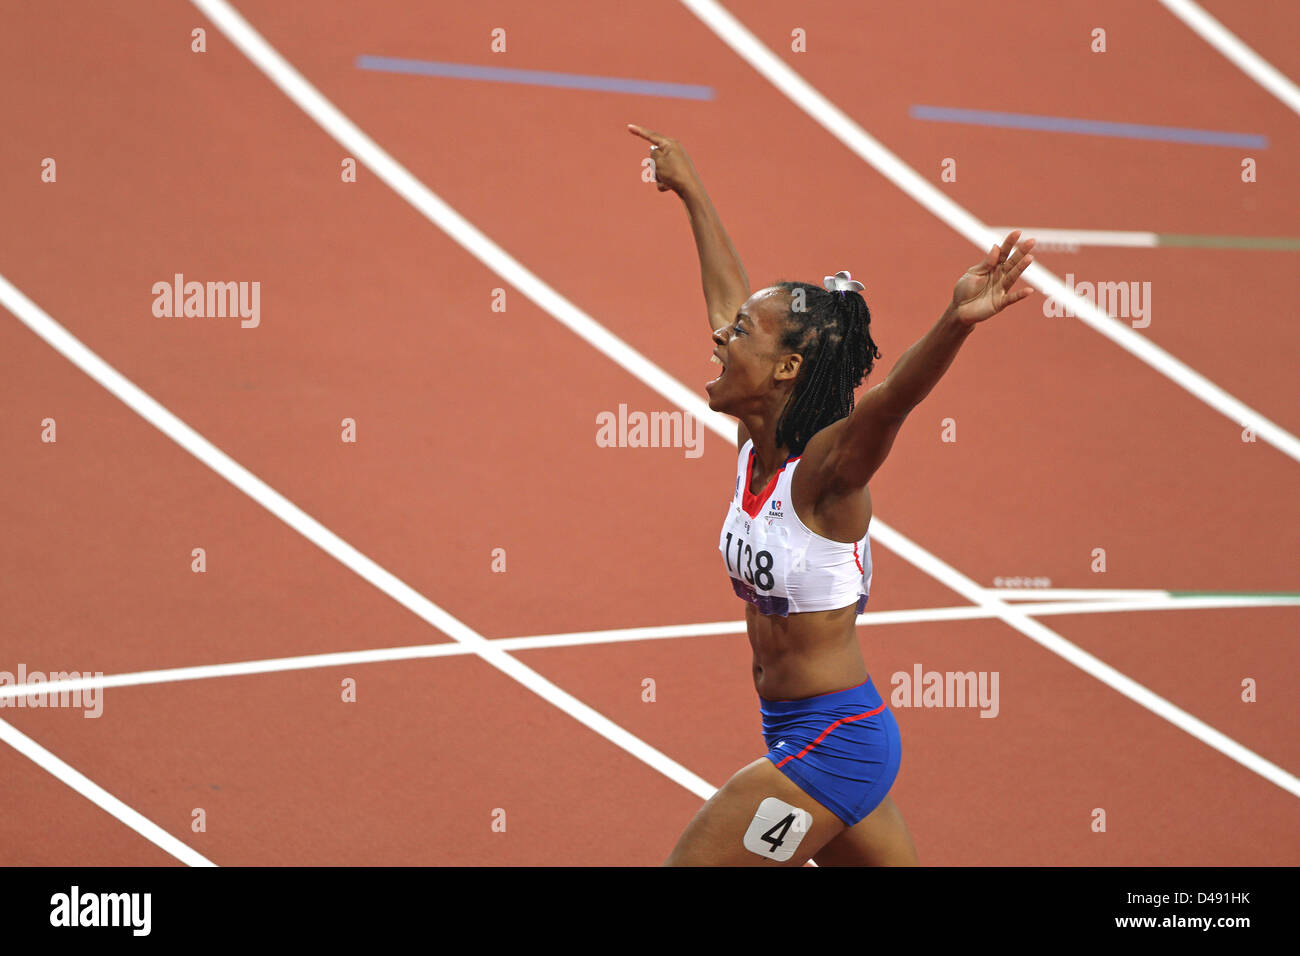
x=717, y=361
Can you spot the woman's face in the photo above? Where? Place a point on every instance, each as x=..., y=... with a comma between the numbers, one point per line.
x=753, y=363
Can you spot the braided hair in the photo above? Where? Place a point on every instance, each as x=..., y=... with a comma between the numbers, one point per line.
x=832, y=333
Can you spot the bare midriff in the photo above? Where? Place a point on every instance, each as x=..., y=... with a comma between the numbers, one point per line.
x=805, y=655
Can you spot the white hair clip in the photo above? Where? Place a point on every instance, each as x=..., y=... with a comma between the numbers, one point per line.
x=843, y=282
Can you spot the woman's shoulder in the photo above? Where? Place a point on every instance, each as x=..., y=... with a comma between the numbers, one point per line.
x=832, y=512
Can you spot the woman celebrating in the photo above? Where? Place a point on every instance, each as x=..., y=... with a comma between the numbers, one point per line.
x=795, y=539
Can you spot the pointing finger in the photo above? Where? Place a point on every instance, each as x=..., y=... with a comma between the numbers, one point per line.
x=656, y=138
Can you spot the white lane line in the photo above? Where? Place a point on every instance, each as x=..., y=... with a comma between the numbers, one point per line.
x=1226, y=42
x=9, y=692
x=1077, y=594
x=311, y=101
x=272, y=665
x=1157, y=598
x=733, y=33
x=1139, y=604
x=1087, y=237
x=168, y=675
x=151, y=411
x=870, y=618
x=1134, y=602
x=1072, y=240
x=1017, y=617
x=68, y=686
x=100, y=797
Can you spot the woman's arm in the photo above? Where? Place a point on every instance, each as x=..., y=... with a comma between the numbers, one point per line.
x=857, y=446
x=726, y=286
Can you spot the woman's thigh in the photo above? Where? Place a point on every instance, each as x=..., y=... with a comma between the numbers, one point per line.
x=881, y=838
x=746, y=823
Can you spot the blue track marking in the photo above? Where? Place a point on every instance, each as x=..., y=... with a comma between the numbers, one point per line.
x=1064, y=124
x=571, y=81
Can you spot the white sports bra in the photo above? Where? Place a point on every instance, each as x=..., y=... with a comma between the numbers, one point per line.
x=775, y=562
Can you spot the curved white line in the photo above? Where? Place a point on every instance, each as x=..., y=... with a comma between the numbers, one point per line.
x=1226, y=42
x=734, y=33
x=312, y=102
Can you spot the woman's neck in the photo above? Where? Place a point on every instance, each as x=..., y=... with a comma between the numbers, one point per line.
x=768, y=455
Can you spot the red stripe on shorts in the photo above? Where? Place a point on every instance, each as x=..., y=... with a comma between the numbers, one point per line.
x=826, y=732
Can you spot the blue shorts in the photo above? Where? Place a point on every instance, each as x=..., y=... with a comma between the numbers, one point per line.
x=841, y=749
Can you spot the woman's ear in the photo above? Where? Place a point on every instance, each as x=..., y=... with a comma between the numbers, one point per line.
x=788, y=367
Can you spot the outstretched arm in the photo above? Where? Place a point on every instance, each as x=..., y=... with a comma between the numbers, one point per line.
x=726, y=287
x=859, y=444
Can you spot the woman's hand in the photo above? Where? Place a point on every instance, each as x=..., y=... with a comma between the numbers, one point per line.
x=726, y=287
x=673, y=167
x=985, y=289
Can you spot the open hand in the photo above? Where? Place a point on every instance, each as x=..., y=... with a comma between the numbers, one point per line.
x=986, y=288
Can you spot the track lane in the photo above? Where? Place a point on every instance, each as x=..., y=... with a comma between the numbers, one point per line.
x=408, y=775
x=100, y=528
x=1264, y=26
x=374, y=317
x=1074, y=181
x=48, y=824
x=657, y=622
x=1199, y=659
x=1055, y=361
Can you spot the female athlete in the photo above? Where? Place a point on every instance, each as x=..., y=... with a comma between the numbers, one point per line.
x=795, y=539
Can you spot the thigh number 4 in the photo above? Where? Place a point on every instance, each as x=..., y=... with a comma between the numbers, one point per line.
x=777, y=830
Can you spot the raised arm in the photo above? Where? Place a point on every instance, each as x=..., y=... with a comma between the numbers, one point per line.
x=726, y=287
x=857, y=446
